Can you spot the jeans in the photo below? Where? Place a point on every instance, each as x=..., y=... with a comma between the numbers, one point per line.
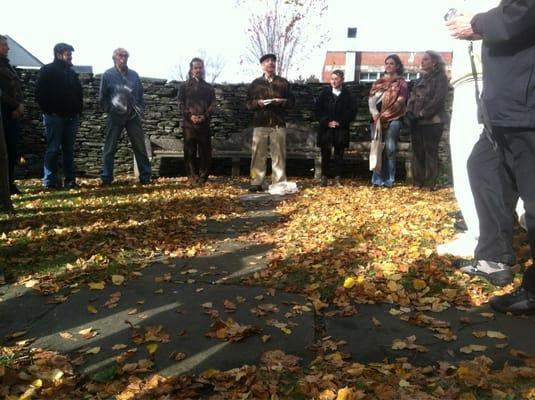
x=387, y=176
x=60, y=135
x=137, y=139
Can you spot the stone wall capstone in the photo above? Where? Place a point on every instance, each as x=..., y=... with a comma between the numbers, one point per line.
x=163, y=119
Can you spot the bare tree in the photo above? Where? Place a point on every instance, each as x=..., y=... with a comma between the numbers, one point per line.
x=290, y=29
x=213, y=67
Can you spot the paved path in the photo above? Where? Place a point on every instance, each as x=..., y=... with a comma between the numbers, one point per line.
x=182, y=296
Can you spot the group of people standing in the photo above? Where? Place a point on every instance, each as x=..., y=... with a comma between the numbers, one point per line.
x=391, y=104
x=499, y=165
x=59, y=93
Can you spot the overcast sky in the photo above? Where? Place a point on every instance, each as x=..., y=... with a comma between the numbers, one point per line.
x=160, y=34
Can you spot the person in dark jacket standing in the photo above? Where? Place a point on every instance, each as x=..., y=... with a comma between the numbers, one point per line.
x=196, y=99
x=426, y=111
x=335, y=109
x=59, y=94
x=508, y=111
x=121, y=96
x=12, y=109
x=268, y=97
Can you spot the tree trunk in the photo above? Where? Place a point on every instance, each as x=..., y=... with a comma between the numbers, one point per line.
x=5, y=198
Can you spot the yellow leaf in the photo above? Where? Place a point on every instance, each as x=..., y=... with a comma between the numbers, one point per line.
x=392, y=286
x=376, y=322
x=496, y=335
x=419, y=284
x=96, y=285
x=117, y=279
x=152, y=347
x=92, y=309
x=37, y=383
x=93, y=350
x=349, y=283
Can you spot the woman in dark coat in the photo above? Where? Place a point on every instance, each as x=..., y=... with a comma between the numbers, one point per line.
x=335, y=109
x=426, y=111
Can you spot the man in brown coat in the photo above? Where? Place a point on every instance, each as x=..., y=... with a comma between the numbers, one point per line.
x=196, y=99
x=12, y=109
x=269, y=96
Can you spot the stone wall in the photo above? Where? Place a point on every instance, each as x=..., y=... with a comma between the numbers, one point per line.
x=162, y=119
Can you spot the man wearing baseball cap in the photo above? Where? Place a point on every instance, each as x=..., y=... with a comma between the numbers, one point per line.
x=268, y=97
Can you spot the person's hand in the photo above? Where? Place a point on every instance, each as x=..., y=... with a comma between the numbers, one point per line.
x=333, y=124
x=197, y=119
x=375, y=116
x=411, y=117
x=18, y=112
x=460, y=27
x=261, y=103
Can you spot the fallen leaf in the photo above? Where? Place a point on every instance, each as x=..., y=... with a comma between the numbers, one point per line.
x=97, y=285
x=92, y=309
x=117, y=279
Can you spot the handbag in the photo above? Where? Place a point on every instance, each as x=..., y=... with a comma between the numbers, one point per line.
x=376, y=148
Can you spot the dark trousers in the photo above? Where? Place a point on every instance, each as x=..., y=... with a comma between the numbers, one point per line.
x=515, y=170
x=425, y=140
x=197, y=140
x=12, y=133
x=494, y=204
x=326, y=153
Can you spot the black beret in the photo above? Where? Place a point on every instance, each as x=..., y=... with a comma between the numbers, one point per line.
x=62, y=47
x=266, y=56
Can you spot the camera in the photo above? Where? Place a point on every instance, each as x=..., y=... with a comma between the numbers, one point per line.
x=452, y=13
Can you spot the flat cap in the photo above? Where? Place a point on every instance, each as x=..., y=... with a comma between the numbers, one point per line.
x=267, y=56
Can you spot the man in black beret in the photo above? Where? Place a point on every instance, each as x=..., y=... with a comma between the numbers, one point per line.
x=268, y=97
x=59, y=94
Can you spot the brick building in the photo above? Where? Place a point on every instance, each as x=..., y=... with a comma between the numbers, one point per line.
x=367, y=66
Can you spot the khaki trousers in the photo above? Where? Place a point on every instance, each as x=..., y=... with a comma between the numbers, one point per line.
x=275, y=138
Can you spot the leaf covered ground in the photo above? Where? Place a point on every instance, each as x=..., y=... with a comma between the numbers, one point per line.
x=340, y=246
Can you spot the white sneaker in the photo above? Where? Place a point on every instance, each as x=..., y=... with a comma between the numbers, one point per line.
x=522, y=221
x=463, y=246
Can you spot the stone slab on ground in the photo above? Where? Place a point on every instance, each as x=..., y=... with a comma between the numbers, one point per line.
x=182, y=310
x=367, y=342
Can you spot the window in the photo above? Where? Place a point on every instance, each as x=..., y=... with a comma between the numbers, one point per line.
x=410, y=76
x=351, y=32
x=368, y=76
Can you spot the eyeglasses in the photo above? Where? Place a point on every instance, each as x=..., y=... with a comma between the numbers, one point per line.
x=122, y=55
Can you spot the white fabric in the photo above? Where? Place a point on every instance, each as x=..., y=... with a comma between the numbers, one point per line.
x=282, y=188
x=337, y=92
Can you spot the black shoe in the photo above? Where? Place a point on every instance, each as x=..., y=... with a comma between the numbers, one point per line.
x=460, y=225
x=518, y=302
x=71, y=185
x=203, y=180
x=337, y=181
x=324, y=182
x=105, y=183
x=13, y=189
x=497, y=273
x=255, y=188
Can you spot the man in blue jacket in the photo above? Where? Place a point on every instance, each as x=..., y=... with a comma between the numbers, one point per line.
x=508, y=109
x=121, y=96
x=59, y=94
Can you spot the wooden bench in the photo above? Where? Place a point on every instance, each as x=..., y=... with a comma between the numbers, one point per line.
x=300, y=144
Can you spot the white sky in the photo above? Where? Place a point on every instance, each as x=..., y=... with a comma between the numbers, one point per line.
x=159, y=34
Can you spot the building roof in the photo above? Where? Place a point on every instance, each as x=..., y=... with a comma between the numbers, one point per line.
x=20, y=57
